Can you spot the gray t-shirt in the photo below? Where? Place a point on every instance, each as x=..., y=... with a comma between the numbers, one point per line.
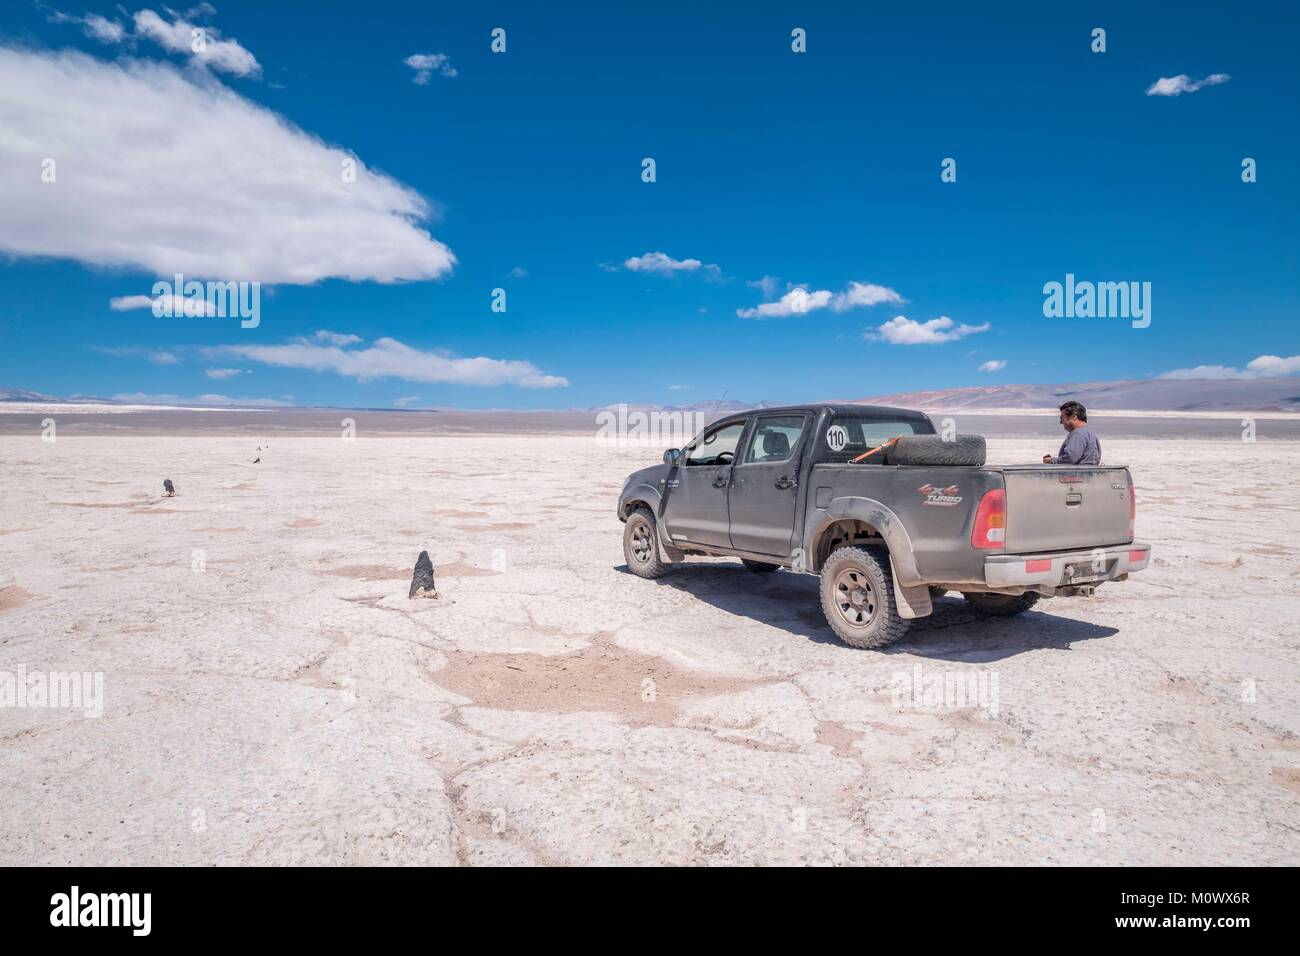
x=1080, y=448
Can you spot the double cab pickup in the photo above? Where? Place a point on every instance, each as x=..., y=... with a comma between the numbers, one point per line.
x=889, y=514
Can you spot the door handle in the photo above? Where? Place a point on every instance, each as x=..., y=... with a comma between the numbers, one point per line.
x=720, y=481
x=784, y=482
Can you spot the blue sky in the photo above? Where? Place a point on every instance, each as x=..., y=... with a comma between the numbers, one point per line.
x=818, y=170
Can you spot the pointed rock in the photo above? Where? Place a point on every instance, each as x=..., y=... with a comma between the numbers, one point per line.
x=169, y=488
x=422, y=580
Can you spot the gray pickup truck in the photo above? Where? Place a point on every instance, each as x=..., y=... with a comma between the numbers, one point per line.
x=889, y=513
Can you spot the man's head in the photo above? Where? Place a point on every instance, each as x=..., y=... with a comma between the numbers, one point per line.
x=1073, y=415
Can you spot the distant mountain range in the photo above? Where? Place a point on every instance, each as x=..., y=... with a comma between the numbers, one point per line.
x=1178, y=395
x=1185, y=395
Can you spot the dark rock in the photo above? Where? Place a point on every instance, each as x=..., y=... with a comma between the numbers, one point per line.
x=256, y=460
x=422, y=581
x=169, y=488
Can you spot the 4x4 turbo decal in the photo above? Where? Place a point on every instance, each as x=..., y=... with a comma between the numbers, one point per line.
x=943, y=497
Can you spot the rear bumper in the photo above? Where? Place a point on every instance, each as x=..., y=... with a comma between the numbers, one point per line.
x=1063, y=569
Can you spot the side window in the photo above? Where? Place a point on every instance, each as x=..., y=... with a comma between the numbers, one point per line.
x=717, y=447
x=775, y=439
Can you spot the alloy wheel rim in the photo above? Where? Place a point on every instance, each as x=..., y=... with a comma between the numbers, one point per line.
x=642, y=546
x=855, y=598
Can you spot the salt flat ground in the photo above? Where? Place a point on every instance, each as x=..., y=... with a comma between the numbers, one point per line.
x=272, y=696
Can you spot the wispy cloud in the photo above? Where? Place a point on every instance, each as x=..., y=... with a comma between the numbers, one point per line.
x=658, y=263
x=96, y=27
x=1264, y=366
x=171, y=305
x=334, y=338
x=1182, y=83
x=156, y=356
x=766, y=285
x=800, y=300
x=223, y=373
x=202, y=44
x=426, y=64
x=406, y=400
x=285, y=197
x=900, y=330
x=993, y=365
x=389, y=358
x=147, y=398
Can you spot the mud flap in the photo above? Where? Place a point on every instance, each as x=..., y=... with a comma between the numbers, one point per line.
x=911, y=602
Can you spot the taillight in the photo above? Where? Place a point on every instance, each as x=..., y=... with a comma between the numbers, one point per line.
x=990, y=530
x=1132, y=508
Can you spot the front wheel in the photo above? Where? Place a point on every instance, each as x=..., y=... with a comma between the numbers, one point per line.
x=640, y=548
x=1000, y=605
x=857, y=592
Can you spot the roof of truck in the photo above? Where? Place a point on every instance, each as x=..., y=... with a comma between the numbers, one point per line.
x=838, y=407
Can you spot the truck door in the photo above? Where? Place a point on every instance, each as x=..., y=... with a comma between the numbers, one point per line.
x=764, y=485
x=696, y=510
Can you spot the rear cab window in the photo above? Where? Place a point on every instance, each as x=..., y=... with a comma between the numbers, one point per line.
x=846, y=436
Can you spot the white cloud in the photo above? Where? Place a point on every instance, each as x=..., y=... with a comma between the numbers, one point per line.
x=145, y=398
x=1263, y=366
x=96, y=27
x=178, y=305
x=766, y=285
x=406, y=400
x=1273, y=366
x=222, y=373
x=335, y=338
x=103, y=29
x=156, y=356
x=799, y=300
x=1182, y=83
x=863, y=294
x=518, y=272
x=389, y=358
x=425, y=64
x=202, y=44
x=993, y=365
x=680, y=388
x=900, y=330
x=658, y=263
x=166, y=173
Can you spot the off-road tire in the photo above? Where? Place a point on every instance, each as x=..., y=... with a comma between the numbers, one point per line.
x=641, y=545
x=758, y=567
x=852, y=580
x=1000, y=605
x=933, y=450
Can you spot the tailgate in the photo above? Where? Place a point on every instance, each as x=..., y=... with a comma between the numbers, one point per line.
x=1056, y=507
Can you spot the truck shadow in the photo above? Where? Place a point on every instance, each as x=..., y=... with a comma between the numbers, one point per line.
x=953, y=632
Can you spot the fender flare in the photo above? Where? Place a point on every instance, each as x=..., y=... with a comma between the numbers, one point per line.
x=880, y=517
x=911, y=594
x=654, y=498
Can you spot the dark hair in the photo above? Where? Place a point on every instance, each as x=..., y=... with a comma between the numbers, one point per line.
x=1075, y=410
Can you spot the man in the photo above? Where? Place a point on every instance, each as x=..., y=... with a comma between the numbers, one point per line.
x=1080, y=446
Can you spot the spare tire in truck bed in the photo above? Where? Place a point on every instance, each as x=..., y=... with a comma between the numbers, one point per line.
x=934, y=450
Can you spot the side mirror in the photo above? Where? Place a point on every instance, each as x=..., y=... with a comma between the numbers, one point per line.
x=672, y=456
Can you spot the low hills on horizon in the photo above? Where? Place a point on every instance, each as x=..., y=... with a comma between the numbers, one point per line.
x=1281, y=394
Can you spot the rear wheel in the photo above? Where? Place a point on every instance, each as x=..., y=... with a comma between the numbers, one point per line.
x=857, y=592
x=759, y=567
x=1000, y=605
x=640, y=547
